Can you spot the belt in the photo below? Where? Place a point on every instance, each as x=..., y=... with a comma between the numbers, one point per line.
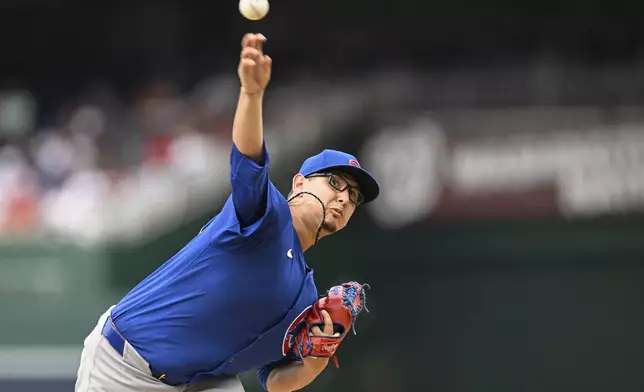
x=117, y=341
x=113, y=337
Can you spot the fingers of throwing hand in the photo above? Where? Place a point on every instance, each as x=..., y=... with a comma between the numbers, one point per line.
x=251, y=53
x=259, y=42
x=253, y=41
x=254, y=67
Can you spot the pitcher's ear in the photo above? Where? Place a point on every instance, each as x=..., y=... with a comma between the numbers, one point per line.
x=298, y=183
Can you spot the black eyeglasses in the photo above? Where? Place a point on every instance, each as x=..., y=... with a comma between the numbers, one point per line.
x=341, y=184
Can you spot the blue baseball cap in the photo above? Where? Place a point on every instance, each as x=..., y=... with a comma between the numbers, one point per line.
x=332, y=159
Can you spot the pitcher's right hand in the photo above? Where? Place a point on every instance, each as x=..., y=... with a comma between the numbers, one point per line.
x=254, y=66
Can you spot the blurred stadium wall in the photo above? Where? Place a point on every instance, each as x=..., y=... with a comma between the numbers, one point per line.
x=505, y=252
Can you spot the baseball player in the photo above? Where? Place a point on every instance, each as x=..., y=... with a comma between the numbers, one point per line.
x=230, y=300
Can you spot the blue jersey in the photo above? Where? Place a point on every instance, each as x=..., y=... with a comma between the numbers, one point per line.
x=226, y=302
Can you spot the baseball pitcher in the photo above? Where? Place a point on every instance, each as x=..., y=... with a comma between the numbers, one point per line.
x=240, y=295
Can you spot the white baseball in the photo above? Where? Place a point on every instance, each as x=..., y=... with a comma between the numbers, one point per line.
x=253, y=9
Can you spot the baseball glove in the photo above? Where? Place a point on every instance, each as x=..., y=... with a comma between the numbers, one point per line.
x=343, y=304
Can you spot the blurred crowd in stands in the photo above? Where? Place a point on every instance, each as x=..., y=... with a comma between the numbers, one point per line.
x=106, y=159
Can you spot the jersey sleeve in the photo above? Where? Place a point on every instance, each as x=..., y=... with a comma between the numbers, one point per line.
x=257, y=202
x=264, y=371
x=250, y=185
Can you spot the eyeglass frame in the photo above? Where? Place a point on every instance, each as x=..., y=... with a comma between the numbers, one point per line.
x=329, y=175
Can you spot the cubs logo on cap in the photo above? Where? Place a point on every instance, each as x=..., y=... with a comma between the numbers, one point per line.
x=332, y=159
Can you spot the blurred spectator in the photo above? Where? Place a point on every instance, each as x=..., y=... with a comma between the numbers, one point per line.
x=19, y=209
